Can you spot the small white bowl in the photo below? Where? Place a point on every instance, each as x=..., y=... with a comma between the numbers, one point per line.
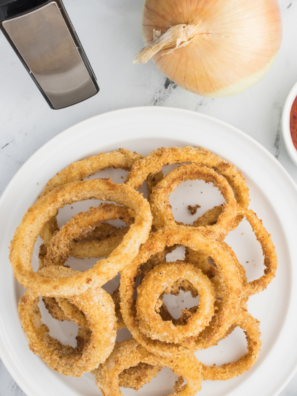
x=286, y=124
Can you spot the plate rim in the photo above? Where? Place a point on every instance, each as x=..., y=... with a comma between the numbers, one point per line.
x=20, y=380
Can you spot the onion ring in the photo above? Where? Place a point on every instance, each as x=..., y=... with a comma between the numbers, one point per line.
x=61, y=309
x=109, y=236
x=80, y=227
x=101, y=333
x=268, y=249
x=161, y=208
x=155, y=283
x=77, y=171
x=97, y=249
x=63, y=242
x=230, y=370
x=46, y=207
x=81, y=224
x=154, y=162
x=129, y=354
x=213, y=274
x=183, y=285
x=102, y=231
x=230, y=297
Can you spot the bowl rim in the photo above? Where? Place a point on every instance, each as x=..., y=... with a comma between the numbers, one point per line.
x=292, y=151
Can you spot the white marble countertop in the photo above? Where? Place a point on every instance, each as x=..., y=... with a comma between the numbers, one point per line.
x=110, y=31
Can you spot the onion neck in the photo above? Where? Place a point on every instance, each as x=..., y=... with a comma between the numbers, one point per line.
x=176, y=37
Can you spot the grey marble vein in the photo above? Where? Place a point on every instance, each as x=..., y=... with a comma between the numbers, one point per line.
x=277, y=140
x=163, y=93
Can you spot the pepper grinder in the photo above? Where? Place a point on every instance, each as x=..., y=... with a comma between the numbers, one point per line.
x=43, y=37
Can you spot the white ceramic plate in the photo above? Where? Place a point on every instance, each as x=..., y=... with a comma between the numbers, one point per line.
x=273, y=198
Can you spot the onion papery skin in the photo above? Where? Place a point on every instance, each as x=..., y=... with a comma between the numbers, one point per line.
x=236, y=43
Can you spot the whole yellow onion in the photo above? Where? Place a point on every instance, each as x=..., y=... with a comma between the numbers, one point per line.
x=212, y=48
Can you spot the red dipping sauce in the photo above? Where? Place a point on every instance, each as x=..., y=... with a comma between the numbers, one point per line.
x=293, y=123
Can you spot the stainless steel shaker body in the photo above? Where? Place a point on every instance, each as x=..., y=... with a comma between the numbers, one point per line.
x=43, y=37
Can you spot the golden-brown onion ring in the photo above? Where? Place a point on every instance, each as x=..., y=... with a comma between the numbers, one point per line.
x=61, y=309
x=88, y=248
x=129, y=354
x=228, y=304
x=95, y=304
x=99, y=242
x=63, y=242
x=154, y=162
x=102, y=231
x=77, y=171
x=263, y=237
x=155, y=283
x=268, y=249
x=80, y=227
x=98, y=249
x=230, y=370
x=46, y=207
x=161, y=208
x=71, y=313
